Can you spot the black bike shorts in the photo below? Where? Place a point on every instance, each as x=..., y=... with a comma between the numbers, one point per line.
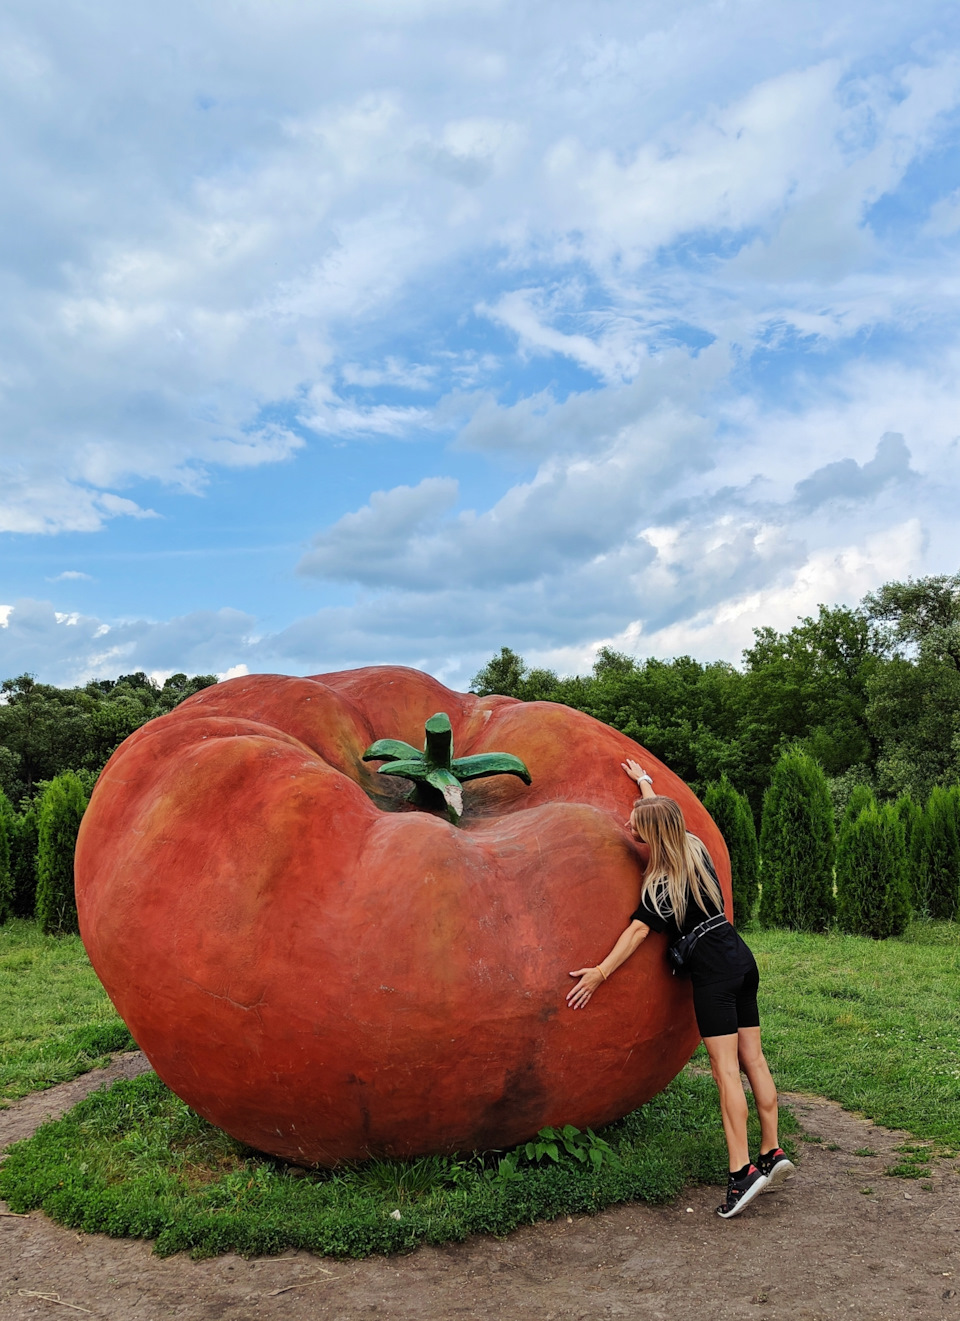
x=723, y=1007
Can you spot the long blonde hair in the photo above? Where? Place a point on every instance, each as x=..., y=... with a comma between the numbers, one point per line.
x=679, y=868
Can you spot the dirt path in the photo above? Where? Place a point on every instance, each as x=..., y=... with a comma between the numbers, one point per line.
x=841, y=1240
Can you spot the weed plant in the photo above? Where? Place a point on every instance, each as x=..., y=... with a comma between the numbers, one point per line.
x=57, y=1021
x=135, y=1161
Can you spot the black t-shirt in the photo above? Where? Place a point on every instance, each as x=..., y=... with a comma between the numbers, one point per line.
x=719, y=954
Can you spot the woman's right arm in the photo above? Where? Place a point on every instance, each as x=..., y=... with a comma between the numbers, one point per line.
x=640, y=778
x=591, y=978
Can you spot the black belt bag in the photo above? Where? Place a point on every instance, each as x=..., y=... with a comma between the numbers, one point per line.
x=680, y=952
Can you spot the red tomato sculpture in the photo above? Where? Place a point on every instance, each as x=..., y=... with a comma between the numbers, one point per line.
x=330, y=972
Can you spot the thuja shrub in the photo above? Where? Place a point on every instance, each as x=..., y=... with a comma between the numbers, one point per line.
x=935, y=856
x=909, y=812
x=61, y=809
x=7, y=818
x=872, y=898
x=24, y=840
x=797, y=846
x=734, y=819
x=861, y=798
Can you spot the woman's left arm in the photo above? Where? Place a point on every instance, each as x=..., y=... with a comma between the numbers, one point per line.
x=591, y=978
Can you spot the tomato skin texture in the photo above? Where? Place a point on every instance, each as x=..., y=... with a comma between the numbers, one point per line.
x=329, y=974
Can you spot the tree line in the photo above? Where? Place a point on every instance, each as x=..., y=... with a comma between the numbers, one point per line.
x=871, y=693
x=53, y=744
x=840, y=736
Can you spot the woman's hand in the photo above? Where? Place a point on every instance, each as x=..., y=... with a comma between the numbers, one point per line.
x=590, y=979
x=641, y=777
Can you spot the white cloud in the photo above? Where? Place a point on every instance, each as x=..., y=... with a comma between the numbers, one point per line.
x=69, y=647
x=408, y=376
x=234, y=672
x=328, y=414
x=732, y=168
x=574, y=510
x=277, y=209
x=364, y=546
x=839, y=575
x=670, y=383
x=654, y=270
x=944, y=216
x=845, y=479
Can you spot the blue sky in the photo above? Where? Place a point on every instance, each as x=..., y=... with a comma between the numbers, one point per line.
x=402, y=331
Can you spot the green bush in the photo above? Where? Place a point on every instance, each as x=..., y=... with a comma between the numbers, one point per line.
x=7, y=819
x=734, y=819
x=935, y=856
x=23, y=860
x=61, y=809
x=909, y=811
x=797, y=847
x=872, y=898
x=861, y=798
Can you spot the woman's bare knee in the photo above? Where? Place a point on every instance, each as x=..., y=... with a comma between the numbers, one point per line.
x=749, y=1049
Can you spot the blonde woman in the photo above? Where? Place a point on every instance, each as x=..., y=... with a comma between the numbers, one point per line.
x=681, y=892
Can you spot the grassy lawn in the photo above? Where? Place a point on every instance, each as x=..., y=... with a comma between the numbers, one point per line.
x=57, y=1021
x=874, y=1025
x=136, y=1162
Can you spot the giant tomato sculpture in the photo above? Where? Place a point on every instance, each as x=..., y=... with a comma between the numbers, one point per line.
x=328, y=971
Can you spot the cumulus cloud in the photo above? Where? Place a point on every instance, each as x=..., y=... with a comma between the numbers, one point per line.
x=70, y=647
x=665, y=277
x=846, y=479
x=840, y=574
x=574, y=510
x=156, y=323
x=362, y=547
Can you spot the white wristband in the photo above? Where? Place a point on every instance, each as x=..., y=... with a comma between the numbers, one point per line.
x=644, y=776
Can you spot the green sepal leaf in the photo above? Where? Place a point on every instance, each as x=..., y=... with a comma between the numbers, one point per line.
x=413, y=770
x=391, y=749
x=449, y=786
x=489, y=763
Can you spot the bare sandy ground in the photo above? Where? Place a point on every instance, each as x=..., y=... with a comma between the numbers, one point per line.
x=840, y=1240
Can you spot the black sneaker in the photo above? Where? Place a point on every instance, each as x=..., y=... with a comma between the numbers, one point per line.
x=742, y=1191
x=776, y=1166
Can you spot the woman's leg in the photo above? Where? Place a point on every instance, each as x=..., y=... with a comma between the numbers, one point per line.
x=725, y=1063
x=754, y=1065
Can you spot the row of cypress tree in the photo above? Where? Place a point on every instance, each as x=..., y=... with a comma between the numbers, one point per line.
x=868, y=876
x=884, y=863
x=36, y=854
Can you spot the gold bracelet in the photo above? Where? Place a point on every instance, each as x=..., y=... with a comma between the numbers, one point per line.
x=601, y=972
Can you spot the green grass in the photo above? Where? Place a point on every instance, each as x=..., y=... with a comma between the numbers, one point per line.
x=135, y=1161
x=57, y=1021
x=874, y=1025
